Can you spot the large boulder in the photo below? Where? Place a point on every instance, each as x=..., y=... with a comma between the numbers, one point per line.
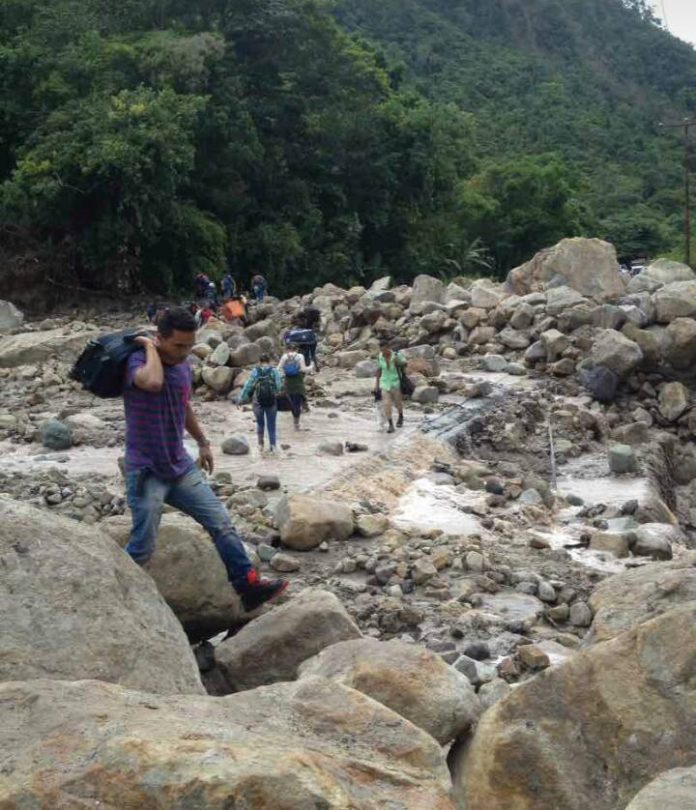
x=427, y=289
x=220, y=379
x=676, y=300
x=410, y=680
x=306, y=521
x=680, y=343
x=589, y=266
x=247, y=355
x=188, y=573
x=10, y=316
x=674, y=400
x=75, y=606
x=592, y=732
x=265, y=328
x=37, y=347
x=485, y=294
x=615, y=351
x=272, y=647
x=659, y=273
x=672, y=790
x=290, y=746
x=625, y=600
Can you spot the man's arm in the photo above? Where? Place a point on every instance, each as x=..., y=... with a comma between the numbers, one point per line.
x=149, y=377
x=378, y=377
x=205, y=454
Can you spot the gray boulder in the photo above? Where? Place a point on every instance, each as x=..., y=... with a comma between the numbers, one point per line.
x=10, y=316
x=672, y=790
x=188, y=573
x=247, y=355
x=425, y=394
x=680, y=343
x=625, y=600
x=236, y=446
x=615, y=351
x=600, y=382
x=523, y=756
x=676, y=300
x=55, y=435
x=674, y=400
x=589, y=266
x=427, y=289
x=37, y=347
x=272, y=647
x=412, y=681
x=311, y=744
x=220, y=379
x=659, y=273
x=306, y=521
x=75, y=606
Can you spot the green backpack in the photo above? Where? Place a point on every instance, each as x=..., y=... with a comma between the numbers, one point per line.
x=265, y=388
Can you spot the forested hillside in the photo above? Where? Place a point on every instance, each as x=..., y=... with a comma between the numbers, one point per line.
x=587, y=81
x=143, y=141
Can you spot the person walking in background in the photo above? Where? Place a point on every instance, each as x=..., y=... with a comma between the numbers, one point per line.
x=293, y=367
x=259, y=287
x=263, y=387
x=388, y=381
x=157, y=400
x=200, y=284
x=229, y=287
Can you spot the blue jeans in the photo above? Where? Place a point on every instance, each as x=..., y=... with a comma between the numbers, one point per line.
x=266, y=418
x=147, y=495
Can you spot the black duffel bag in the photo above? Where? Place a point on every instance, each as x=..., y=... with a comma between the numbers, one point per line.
x=101, y=368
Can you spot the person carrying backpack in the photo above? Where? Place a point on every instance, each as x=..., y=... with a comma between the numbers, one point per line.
x=388, y=382
x=263, y=386
x=157, y=398
x=259, y=286
x=293, y=367
x=229, y=288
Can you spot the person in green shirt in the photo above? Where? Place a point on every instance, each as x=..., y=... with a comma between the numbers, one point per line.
x=388, y=382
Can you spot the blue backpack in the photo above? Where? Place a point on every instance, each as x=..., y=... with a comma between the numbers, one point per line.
x=292, y=367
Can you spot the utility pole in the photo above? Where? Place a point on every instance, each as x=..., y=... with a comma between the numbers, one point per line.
x=686, y=125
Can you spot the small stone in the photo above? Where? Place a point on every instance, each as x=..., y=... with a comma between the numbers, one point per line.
x=268, y=482
x=559, y=613
x=474, y=561
x=423, y=570
x=235, y=446
x=492, y=692
x=285, y=563
x=265, y=552
x=425, y=395
x=574, y=500
x=580, y=614
x=533, y=657
x=546, y=592
x=55, y=435
x=476, y=671
x=324, y=546
x=531, y=497
x=622, y=459
x=494, y=363
x=371, y=525
x=330, y=448
x=478, y=650
x=614, y=543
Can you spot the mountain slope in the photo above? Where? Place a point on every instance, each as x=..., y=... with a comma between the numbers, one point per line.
x=586, y=79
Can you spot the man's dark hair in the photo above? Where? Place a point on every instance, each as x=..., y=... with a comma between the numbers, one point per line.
x=173, y=320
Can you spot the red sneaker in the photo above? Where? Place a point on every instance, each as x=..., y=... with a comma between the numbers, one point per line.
x=256, y=591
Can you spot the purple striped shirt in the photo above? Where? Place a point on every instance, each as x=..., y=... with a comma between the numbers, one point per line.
x=155, y=421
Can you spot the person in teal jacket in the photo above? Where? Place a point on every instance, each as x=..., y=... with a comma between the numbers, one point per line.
x=263, y=387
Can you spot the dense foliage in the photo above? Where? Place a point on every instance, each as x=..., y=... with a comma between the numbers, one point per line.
x=146, y=140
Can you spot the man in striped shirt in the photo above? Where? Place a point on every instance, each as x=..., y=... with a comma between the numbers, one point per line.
x=157, y=399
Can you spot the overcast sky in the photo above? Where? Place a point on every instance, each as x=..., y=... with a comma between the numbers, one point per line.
x=681, y=17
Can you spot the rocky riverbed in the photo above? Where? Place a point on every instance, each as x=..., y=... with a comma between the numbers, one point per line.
x=505, y=567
